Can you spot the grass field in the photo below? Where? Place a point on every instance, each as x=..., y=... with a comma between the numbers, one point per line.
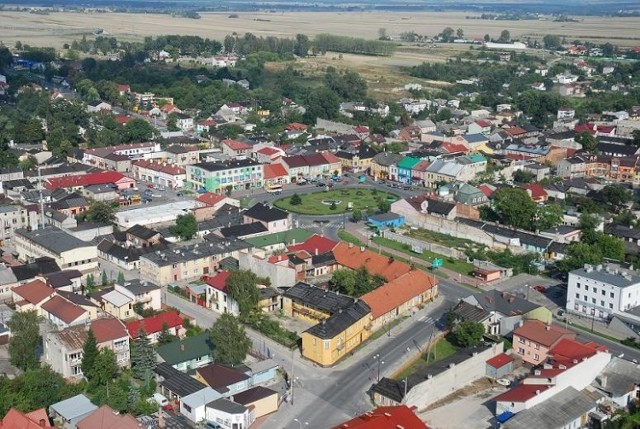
x=442, y=349
x=60, y=27
x=312, y=204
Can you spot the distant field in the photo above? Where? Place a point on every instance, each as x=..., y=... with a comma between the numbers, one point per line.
x=58, y=28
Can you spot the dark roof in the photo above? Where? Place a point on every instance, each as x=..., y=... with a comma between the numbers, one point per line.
x=142, y=232
x=505, y=303
x=138, y=287
x=265, y=213
x=214, y=246
x=17, y=183
x=252, y=395
x=229, y=263
x=323, y=259
x=320, y=299
x=340, y=321
x=617, y=149
x=177, y=382
x=440, y=207
x=227, y=406
x=470, y=313
x=242, y=230
x=219, y=376
x=267, y=292
x=524, y=237
x=187, y=349
x=226, y=215
x=622, y=231
x=76, y=299
x=40, y=266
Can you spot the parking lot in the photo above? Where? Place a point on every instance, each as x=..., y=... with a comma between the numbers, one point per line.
x=551, y=294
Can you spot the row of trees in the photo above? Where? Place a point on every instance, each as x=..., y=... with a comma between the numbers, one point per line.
x=352, y=45
x=514, y=207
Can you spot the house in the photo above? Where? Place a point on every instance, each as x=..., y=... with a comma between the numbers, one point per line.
x=162, y=174
x=216, y=201
x=154, y=325
x=500, y=366
x=184, y=122
x=62, y=350
x=37, y=419
x=16, y=217
x=63, y=313
x=481, y=126
x=106, y=418
x=534, y=339
x=399, y=416
x=67, y=413
x=235, y=148
x=274, y=219
x=188, y=353
x=68, y=251
x=222, y=378
x=275, y=175
x=220, y=176
x=174, y=384
x=262, y=400
x=381, y=163
x=193, y=406
x=615, y=381
x=399, y=296
x=268, y=154
x=98, y=106
x=31, y=296
x=385, y=220
x=217, y=295
x=317, y=165
x=182, y=155
x=229, y=413
x=357, y=160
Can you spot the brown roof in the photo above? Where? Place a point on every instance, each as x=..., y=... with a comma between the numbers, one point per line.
x=542, y=333
x=252, y=395
x=105, y=418
x=219, y=376
x=395, y=293
x=108, y=329
x=63, y=309
x=34, y=292
x=73, y=337
x=354, y=257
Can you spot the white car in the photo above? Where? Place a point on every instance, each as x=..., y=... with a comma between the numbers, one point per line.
x=503, y=382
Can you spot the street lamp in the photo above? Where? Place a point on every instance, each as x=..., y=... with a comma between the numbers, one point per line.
x=300, y=423
x=380, y=362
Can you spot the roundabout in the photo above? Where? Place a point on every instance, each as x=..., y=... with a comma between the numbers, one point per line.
x=336, y=201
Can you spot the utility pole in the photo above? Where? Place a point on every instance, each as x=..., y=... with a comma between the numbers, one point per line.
x=293, y=356
x=41, y=199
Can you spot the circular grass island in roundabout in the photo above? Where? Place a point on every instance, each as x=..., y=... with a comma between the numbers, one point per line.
x=336, y=201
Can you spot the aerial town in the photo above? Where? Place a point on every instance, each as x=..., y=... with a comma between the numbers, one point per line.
x=253, y=232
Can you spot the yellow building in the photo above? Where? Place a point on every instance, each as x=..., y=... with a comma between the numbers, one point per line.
x=381, y=163
x=357, y=161
x=341, y=322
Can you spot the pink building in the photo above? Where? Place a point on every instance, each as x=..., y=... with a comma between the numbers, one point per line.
x=533, y=340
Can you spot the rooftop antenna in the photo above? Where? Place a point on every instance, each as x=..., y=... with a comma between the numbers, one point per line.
x=41, y=199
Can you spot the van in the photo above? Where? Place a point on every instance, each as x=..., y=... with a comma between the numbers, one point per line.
x=158, y=399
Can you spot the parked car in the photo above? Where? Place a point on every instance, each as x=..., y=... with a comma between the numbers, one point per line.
x=150, y=186
x=540, y=288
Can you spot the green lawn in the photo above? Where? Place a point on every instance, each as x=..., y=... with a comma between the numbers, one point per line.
x=312, y=204
x=461, y=267
x=439, y=238
x=442, y=349
x=349, y=238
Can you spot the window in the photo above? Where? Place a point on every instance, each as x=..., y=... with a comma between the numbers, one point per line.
x=578, y=285
x=611, y=294
x=602, y=303
x=536, y=357
x=586, y=287
x=593, y=300
x=521, y=340
x=521, y=351
x=595, y=290
x=326, y=344
x=186, y=407
x=578, y=295
x=585, y=297
x=611, y=306
x=604, y=292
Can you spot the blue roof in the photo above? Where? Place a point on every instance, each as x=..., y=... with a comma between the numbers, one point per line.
x=504, y=416
x=475, y=138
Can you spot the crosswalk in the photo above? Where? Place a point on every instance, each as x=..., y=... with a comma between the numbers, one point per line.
x=426, y=319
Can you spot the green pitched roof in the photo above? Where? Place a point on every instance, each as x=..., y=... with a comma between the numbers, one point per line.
x=408, y=162
x=287, y=237
x=187, y=349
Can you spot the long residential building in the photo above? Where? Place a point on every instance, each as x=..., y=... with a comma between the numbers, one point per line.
x=219, y=176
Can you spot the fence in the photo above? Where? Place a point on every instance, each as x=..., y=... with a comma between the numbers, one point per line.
x=424, y=245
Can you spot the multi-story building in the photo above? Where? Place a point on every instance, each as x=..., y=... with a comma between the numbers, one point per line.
x=68, y=251
x=602, y=292
x=381, y=163
x=98, y=157
x=63, y=349
x=219, y=176
x=163, y=174
x=14, y=217
x=533, y=340
x=188, y=262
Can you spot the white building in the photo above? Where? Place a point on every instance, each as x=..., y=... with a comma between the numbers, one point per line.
x=603, y=291
x=229, y=414
x=193, y=406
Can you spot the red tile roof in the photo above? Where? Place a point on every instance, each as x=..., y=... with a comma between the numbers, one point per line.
x=34, y=292
x=168, y=108
x=296, y=126
x=453, y=147
x=500, y=360
x=515, y=131
x=541, y=333
x=236, y=145
x=123, y=87
x=219, y=281
x=354, y=257
x=569, y=350
x=330, y=158
x=274, y=259
x=14, y=419
x=589, y=128
x=108, y=329
x=522, y=393
x=385, y=418
x=273, y=171
x=314, y=243
x=269, y=151
x=106, y=418
x=361, y=129
x=63, y=309
x=122, y=119
x=210, y=198
x=101, y=178
x=393, y=294
x=487, y=191
x=536, y=190
x=483, y=123
x=153, y=324
x=173, y=170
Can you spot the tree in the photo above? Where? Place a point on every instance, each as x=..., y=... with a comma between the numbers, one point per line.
x=579, y=254
x=242, y=287
x=487, y=38
x=383, y=205
x=450, y=318
x=468, y=334
x=522, y=176
x=172, y=121
x=589, y=143
x=515, y=207
x=548, y=216
x=89, y=355
x=90, y=284
x=186, y=226
x=105, y=367
x=133, y=397
x=505, y=37
x=138, y=130
x=616, y=196
x=101, y=212
x=121, y=279
x=459, y=33
x=143, y=357
x=447, y=34
x=611, y=247
x=165, y=336
x=356, y=216
x=302, y=45
x=105, y=279
x=230, y=340
x=295, y=200
x=25, y=336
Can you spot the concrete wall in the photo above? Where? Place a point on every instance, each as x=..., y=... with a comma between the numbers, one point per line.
x=279, y=275
x=444, y=384
x=449, y=252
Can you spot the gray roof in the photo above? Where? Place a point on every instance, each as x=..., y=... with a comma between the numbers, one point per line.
x=74, y=407
x=556, y=412
x=318, y=298
x=469, y=312
x=178, y=254
x=505, y=303
x=7, y=276
x=53, y=239
x=227, y=406
x=618, y=377
x=387, y=159
x=618, y=278
x=340, y=321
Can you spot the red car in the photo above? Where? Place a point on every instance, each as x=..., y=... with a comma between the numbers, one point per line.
x=150, y=186
x=540, y=288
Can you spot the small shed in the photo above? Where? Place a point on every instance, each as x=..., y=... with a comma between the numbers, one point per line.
x=499, y=366
x=386, y=220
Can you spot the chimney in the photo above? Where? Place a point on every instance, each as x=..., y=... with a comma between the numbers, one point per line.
x=316, y=251
x=362, y=249
x=350, y=245
x=537, y=392
x=548, y=327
